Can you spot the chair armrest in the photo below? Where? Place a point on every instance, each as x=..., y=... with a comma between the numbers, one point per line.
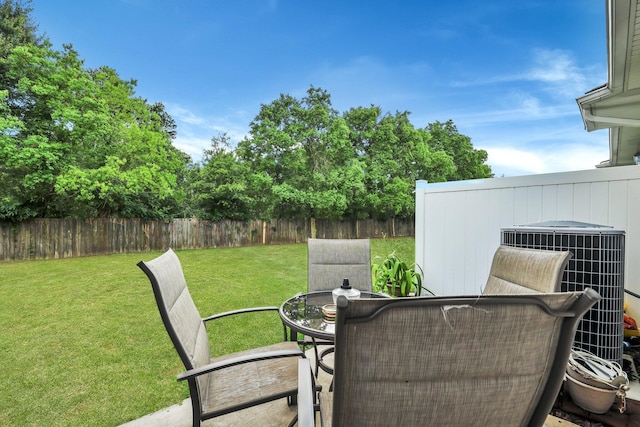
x=240, y=360
x=306, y=393
x=244, y=311
x=240, y=311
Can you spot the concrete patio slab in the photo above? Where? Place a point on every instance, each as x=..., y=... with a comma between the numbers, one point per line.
x=273, y=414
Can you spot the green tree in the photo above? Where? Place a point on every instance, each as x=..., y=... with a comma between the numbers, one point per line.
x=395, y=155
x=223, y=184
x=470, y=163
x=16, y=26
x=78, y=143
x=32, y=154
x=16, y=29
x=362, y=123
x=302, y=147
x=388, y=181
x=167, y=123
x=361, y=164
x=129, y=168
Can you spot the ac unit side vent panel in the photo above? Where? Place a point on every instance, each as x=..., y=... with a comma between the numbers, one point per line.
x=598, y=263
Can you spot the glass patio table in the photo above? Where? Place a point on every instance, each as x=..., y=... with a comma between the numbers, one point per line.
x=302, y=313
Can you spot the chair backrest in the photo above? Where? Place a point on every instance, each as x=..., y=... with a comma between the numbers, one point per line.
x=178, y=311
x=522, y=271
x=331, y=260
x=453, y=361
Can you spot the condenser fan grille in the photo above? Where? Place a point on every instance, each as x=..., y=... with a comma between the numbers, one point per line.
x=598, y=263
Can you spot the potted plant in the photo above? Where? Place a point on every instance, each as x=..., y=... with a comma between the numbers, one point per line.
x=395, y=277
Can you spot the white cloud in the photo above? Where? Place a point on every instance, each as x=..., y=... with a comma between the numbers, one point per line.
x=555, y=68
x=515, y=160
x=195, y=130
x=193, y=146
x=525, y=108
x=509, y=160
x=558, y=69
x=183, y=115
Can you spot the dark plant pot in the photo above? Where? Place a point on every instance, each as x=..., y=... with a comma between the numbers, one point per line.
x=394, y=292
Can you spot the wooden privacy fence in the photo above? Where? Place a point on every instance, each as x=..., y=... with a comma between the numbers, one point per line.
x=66, y=238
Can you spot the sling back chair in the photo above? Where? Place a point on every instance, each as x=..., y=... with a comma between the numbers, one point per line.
x=329, y=262
x=523, y=270
x=222, y=384
x=447, y=361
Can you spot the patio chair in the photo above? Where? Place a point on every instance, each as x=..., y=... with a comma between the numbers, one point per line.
x=524, y=271
x=447, y=361
x=224, y=384
x=329, y=262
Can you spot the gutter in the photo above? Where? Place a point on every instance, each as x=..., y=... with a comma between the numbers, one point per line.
x=609, y=121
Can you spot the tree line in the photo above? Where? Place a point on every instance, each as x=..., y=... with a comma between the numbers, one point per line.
x=78, y=142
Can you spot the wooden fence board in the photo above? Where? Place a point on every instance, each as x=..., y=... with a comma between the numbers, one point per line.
x=50, y=238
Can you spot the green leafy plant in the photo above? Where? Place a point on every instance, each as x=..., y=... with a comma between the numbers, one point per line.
x=394, y=276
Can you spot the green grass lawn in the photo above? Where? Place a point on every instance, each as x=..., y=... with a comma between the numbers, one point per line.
x=82, y=342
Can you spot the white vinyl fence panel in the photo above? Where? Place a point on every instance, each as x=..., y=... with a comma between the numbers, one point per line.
x=458, y=223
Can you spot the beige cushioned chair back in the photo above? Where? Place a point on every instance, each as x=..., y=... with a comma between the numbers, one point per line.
x=331, y=260
x=442, y=361
x=522, y=271
x=178, y=311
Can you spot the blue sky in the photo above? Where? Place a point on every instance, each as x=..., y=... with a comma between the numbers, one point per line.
x=506, y=72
